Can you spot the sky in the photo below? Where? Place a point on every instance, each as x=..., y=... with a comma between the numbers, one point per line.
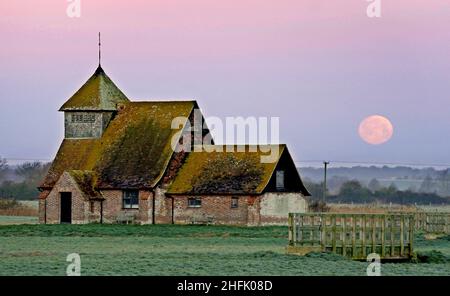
x=321, y=66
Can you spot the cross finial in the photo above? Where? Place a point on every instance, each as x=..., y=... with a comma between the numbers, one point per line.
x=99, y=49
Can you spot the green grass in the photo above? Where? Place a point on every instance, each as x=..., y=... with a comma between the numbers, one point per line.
x=183, y=250
x=9, y=220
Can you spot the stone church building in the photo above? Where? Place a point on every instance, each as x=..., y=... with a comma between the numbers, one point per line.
x=117, y=164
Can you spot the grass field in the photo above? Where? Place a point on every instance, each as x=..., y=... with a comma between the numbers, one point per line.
x=184, y=250
x=9, y=220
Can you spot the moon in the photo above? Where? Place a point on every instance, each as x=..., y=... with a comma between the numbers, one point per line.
x=376, y=130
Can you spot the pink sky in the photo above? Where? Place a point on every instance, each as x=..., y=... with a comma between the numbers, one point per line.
x=320, y=65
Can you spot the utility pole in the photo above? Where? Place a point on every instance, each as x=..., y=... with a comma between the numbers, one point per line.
x=324, y=195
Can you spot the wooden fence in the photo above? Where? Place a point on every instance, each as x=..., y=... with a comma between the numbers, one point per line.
x=353, y=235
x=434, y=222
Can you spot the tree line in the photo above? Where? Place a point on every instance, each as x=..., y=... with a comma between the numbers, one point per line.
x=21, y=182
x=422, y=180
x=354, y=192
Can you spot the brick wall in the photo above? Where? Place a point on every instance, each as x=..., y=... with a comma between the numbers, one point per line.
x=53, y=202
x=42, y=200
x=253, y=213
x=163, y=207
x=94, y=209
x=145, y=207
x=218, y=207
x=113, y=206
x=267, y=209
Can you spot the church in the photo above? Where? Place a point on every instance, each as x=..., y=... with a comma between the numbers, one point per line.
x=116, y=164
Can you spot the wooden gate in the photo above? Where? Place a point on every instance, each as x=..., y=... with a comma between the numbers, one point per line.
x=353, y=235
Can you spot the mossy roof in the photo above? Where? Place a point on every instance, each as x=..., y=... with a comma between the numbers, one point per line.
x=98, y=93
x=134, y=150
x=72, y=155
x=198, y=162
x=86, y=181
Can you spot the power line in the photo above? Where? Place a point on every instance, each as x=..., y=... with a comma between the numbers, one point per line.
x=375, y=163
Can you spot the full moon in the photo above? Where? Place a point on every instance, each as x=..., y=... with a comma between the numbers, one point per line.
x=375, y=129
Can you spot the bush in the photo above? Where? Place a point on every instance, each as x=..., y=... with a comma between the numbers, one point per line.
x=7, y=204
x=319, y=206
x=11, y=207
x=432, y=256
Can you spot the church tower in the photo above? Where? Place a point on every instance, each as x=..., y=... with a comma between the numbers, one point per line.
x=88, y=112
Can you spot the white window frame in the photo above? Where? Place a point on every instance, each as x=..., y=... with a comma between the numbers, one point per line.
x=134, y=200
x=280, y=179
x=198, y=199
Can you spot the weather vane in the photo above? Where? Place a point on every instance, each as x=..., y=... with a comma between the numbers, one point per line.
x=99, y=49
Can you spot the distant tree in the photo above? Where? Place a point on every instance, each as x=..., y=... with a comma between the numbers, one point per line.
x=3, y=163
x=3, y=168
x=334, y=184
x=392, y=187
x=354, y=189
x=28, y=169
x=374, y=185
x=20, y=191
x=412, y=188
x=387, y=192
x=32, y=172
x=427, y=185
x=316, y=189
x=444, y=183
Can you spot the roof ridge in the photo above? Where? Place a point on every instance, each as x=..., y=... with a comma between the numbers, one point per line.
x=163, y=101
x=246, y=145
x=280, y=153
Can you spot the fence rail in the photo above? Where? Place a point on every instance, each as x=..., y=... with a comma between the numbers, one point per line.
x=434, y=222
x=353, y=235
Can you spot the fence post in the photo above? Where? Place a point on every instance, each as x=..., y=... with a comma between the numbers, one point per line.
x=323, y=229
x=299, y=233
x=364, y=236
x=334, y=233
x=446, y=227
x=292, y=230
x=344, y=235
x=411, y=235
x=393, y=224
x=354, y=236
x=373, y=234
x=402, y=227
x=383, y=234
